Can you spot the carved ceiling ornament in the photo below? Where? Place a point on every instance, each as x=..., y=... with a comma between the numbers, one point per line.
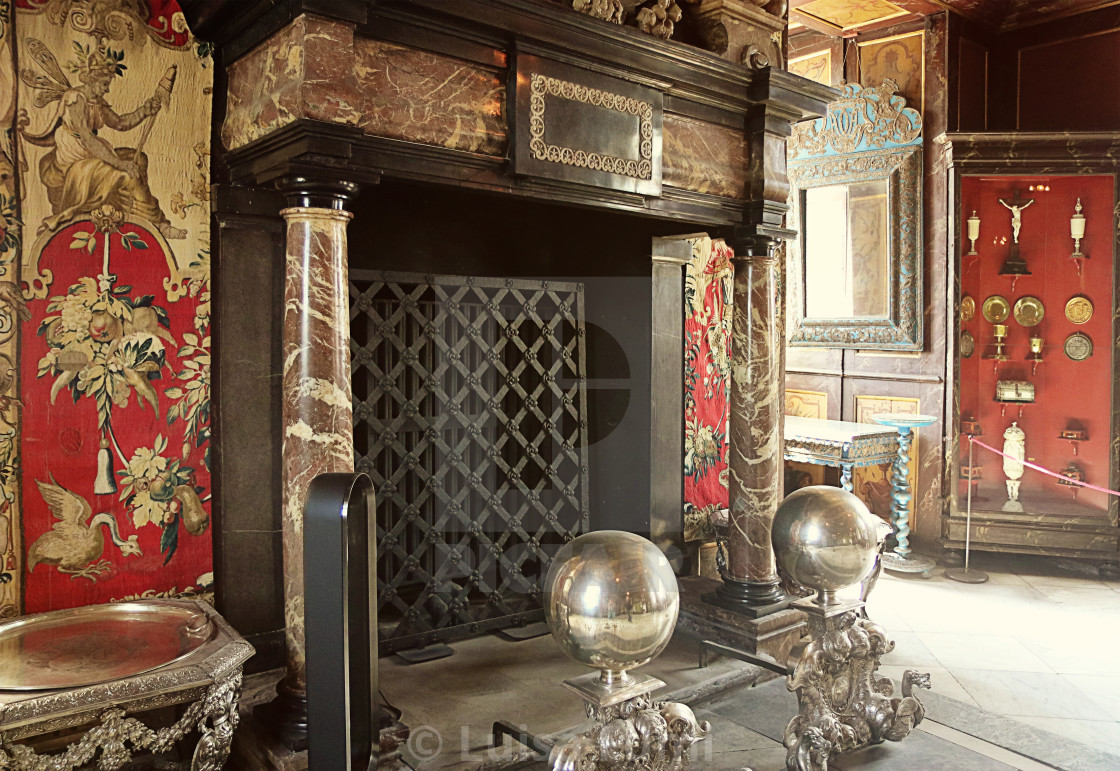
x=861, y=119
x=607, y=10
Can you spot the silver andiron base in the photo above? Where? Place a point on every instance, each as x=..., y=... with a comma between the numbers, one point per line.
x=842, y=705
x=824, y=538
x=631, y=730
x=611, y=602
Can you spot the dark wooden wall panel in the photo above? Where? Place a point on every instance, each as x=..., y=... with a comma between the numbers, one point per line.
x=1055, y=97
x=972, y=94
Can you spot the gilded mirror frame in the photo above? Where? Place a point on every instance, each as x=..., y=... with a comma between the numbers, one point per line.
x=868, y=135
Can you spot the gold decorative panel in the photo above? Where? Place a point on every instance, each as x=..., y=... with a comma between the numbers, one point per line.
x=901, y=59
x=806, y=404
x=852, y=13
x=873, y=483
x=816, y=66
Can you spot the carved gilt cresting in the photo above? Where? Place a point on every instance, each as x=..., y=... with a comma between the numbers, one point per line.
x=637, y=734
x=842, y=704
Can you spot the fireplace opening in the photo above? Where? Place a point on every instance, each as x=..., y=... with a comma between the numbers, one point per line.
x=501, y=355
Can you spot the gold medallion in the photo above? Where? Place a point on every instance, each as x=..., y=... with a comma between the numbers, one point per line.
x=968, y=308
x=1079, y=309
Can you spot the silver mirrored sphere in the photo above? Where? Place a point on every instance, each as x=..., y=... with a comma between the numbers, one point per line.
x=611, y=601
x=824, y=538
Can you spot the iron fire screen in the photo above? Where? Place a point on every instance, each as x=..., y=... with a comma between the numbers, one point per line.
x=470, y=417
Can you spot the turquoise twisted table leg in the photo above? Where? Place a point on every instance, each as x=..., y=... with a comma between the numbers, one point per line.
x=900, y=494
x=901, y=558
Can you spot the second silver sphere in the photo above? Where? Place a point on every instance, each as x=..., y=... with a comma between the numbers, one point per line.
x=824, y=538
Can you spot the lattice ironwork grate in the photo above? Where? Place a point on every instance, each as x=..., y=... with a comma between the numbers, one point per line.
x=470, y=417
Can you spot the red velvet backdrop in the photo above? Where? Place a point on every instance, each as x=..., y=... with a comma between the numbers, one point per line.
x=1065, y=390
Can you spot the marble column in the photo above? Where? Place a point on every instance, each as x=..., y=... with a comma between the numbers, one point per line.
x=317, y=419
x=756, y=430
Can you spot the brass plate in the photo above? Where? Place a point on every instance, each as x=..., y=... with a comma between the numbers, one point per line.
x=96, y=644
x=968, y=344
x=968, y=308
x=996, y=309
x=1029, y=311
x=1079, y=309
x=1078, y=346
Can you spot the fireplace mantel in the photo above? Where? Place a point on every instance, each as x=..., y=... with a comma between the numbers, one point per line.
x=424, y=90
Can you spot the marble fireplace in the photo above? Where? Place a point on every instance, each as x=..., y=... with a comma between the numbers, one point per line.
x=500, y=138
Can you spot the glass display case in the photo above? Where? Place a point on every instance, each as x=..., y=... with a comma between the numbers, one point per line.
x=1036, y=373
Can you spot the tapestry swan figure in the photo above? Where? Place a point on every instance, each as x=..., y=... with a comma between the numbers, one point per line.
x=74, y=544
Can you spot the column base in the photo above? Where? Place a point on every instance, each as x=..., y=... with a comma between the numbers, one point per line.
x=753, y=599
x=907, y=563
x=286, y=716
x=773, y=634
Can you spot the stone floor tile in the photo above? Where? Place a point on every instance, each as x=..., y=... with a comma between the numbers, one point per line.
x=909, y=650
x=977, y=651
x=1103, y=735
x=1103, y=691
x=1033, y=694
x=941, y=681
x=919, y=750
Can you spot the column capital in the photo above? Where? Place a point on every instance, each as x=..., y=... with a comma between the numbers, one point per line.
x=312, y=192
x=755, y=242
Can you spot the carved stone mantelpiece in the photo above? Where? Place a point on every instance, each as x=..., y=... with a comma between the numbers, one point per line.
x=398, y=97
x=748, y=29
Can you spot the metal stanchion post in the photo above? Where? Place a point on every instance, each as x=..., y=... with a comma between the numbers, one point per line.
x=967, y=575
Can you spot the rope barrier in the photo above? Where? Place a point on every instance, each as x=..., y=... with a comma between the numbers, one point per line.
x=1044, y=470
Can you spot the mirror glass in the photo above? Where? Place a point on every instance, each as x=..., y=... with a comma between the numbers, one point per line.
x=846, y=232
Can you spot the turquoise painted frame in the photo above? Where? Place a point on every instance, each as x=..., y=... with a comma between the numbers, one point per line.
x=868, y=135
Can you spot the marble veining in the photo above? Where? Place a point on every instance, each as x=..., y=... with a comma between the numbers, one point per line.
x=317, y=409
x=316, y=69
x=757, y=414
x=703, y=157
x=423, y=97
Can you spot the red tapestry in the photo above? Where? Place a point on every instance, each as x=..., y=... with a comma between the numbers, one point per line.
x=115, y=423
x=106, y=493
x=707, y=379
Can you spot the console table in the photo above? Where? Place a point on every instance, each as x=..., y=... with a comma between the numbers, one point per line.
x=840, y=444
x=103, y=664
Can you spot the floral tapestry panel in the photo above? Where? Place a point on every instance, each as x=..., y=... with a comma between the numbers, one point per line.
x=112, y=140
x=707, y=380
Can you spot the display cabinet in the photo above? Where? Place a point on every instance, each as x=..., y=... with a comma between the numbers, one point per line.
x=1034, y=239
